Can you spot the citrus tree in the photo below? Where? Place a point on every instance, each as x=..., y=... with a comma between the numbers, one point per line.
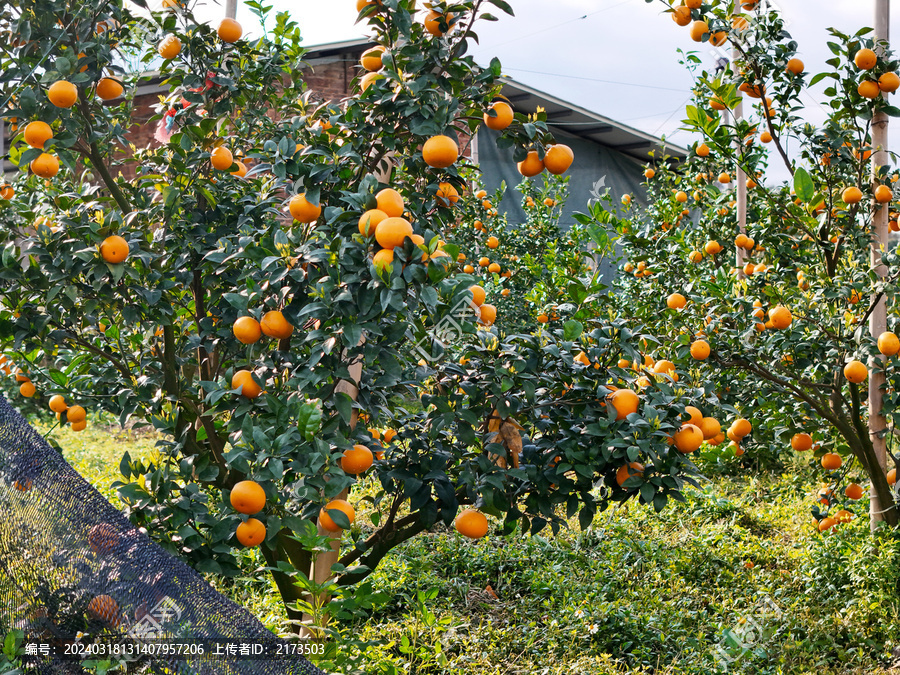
x=271, y=273
x=770, y=311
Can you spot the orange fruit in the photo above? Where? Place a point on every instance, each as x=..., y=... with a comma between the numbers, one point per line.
x=700, y=350
x=433, y=20
x=542, y=318
x=45, y=166
x=62, y=94
x=625, y=402
x=103, y=608
x=37, y=133
x=371, y=58
x=688, y=439
x=304, y=211
x=699, y=30
x=446, y=194
x=390, y=201
x=356, y=460
x=710, y=427
x=114, y=249
x=702, y=150
x=649, y=173
x=79, y=426
x=795, y=66
x=230, y=31
x=494, y=268
x=741, y=427
x=369, y=221
x=831, y=461
x=781, y=317
x=389, y=435
x=391, y=232
x=468, y=269
x=492, y=242
x=7, y=192
x=681, y=196
x=75, y=414
x=856, y=372
x=724, y=178
x=248, y=497
x=276, y=326
x=868, y=89
x=843, y=516
x=883, y=194
x=335, y=505
x=503, y=118
x=888, y=343
x=247, y=330
x=27, y=389
x=243, y=380
x=369, y=79
x=558, y=159
x=851, y=195
x=892, y=476
x=58, y=404
x=169, y=47
x=532, y=165
x=718, y=38
x=801, y=442
x=712, y=247
x=251, y=533
x=439, y=152
x=109, y=88
x=221, y=158
x=625, y=472
x=826, y=524
x=478, y=295
x=889, y=83
x=853, y=491
x=676, y=301
x=765, y=137
x=682, y=15
x=102, y=538
x=488, y=314
x=241, y=170
x=471, y=523
x=865, y=59
x=383, y=259
x=696, y=415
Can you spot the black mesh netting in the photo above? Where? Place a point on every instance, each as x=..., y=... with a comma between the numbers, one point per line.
x=73, y=567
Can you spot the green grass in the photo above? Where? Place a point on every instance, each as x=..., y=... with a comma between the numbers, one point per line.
x=636, y=593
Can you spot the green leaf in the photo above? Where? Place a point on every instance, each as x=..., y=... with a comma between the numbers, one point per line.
x=803, y=184
x=572, y=330
x=309, y=418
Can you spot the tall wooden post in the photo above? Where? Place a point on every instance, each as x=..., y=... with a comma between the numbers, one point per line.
x=880, y=235
x=740, y=175
x=230, y=9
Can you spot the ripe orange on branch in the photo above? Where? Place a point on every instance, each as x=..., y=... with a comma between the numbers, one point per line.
x=688, y=439
x=856, y=372
x=109, y=88
x=503, y=116
x=276, y=326
x=391, y=232
x=251, y=533
x=45, y=165
x=303, y=210
x=356, y=460
x=114, y=249
x=625, y=472
x=230, y=30
x=62, y=94
x=243, y=380
x=439, y=152
x=247, y=330
x=369, y=221
x=37, y=133
x=625, y=402
x=558, y=158
x=532, y=165
x=335, y=505
x=865, y=59
x=391, y=202
x=248, y=497
x=471, y=523
x=221, y=158
x=888, y=343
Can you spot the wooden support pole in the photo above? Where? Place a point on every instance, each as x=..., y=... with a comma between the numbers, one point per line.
x=880, y=236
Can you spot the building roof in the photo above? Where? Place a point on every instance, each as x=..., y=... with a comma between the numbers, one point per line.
x=526, y=99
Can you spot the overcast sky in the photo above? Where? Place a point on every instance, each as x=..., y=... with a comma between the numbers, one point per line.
x=616, y=57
